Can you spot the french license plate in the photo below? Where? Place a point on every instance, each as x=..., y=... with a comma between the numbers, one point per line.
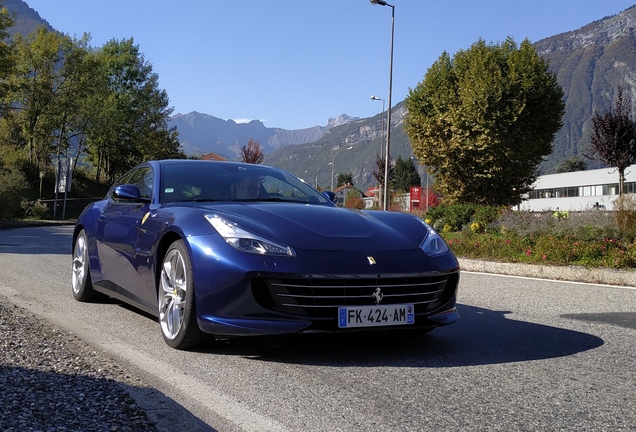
x=375, y=316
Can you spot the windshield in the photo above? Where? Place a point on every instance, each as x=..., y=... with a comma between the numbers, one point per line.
x=226, y=181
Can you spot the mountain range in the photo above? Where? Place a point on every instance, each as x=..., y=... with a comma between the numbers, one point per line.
x=590, y=63
x=200, y=134
x=25, y=19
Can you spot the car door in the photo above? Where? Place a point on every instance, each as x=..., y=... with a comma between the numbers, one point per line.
x=118, y=234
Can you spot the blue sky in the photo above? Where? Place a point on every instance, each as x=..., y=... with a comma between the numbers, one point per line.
x=294, y=63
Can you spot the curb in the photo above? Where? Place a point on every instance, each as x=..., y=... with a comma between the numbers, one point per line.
x=564, y=273
x=34, y=223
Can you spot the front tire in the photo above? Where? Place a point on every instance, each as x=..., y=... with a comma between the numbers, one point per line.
x=81, y=276
x=177, y=307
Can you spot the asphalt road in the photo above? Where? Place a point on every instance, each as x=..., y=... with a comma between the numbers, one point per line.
x=527, y=355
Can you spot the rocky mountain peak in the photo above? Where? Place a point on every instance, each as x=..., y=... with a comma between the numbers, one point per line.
x=340, y=120
x=600, y=32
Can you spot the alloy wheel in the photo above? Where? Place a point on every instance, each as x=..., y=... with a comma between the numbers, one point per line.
x=80, y=267
x=172, y=301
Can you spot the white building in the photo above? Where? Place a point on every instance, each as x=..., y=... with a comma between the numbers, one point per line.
x=579, y=190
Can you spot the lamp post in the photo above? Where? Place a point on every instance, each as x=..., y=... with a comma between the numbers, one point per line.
x=42, y=173
x=316, y=177
x=373, y=97
x=426, y=188
x=334, y=161
x=388, y=119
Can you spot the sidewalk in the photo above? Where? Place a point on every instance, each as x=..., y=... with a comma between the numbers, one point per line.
x=34, y=223
x=565, y=273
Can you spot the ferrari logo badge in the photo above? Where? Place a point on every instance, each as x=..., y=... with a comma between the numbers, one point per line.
x=145, y=217
x=371, y=260
x=377, y=296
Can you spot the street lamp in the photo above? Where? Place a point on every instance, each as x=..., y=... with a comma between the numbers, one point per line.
x=42, y=174
x=373, y=97
x=388, y=119
x=334, y=161
x=316, y=177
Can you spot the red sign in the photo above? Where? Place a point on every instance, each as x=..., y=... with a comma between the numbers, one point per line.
x=414, y=202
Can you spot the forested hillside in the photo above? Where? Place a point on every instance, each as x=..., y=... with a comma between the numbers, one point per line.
x=590, y=64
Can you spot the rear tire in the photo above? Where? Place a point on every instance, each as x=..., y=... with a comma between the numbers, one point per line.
x=177, y=306
x=81, y=275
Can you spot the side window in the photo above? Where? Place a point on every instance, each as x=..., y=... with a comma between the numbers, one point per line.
x=142, y=178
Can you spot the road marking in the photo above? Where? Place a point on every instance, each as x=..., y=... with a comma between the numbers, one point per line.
x=551, y=280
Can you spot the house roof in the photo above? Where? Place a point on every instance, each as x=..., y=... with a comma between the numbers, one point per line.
x=343, y=189
x=213, y=156
x=372, y=191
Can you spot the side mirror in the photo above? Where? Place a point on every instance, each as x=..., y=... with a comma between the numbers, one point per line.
x=127, y=192
x=331, y=196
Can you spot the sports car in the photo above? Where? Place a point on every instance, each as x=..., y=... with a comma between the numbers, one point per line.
x=224, y=249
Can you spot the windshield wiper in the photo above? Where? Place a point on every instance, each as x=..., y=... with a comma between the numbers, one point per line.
x=268, y=199
x=204, y=200
x=279, y=199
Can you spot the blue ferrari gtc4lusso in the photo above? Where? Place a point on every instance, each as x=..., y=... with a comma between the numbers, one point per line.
x=228, y=249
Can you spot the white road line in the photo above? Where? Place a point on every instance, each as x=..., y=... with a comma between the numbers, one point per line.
x=551, y=280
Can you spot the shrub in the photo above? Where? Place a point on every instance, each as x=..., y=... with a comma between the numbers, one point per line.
x=486, y=215
x=626, y=215
x=355, y=202
x=543, y=249
x=13, y=186
x=463, y=216
x=35, y=210
x=587, y=225
x=450, y=217
x=591, y=238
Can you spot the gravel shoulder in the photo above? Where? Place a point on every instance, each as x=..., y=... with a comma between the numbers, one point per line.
x=51, y=380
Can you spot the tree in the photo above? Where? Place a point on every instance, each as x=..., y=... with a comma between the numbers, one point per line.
x=131, y=122
x=354, y=201
x=571, y=164
x=34, y=85
x=13, y=186
x=378, y=172
x=11, y=140
x=405, y=175
x=613, y=139
x=7, y=58
x=252, y=152
x=483, y=120
x=54, y=76
x=344, y=179
x=429, y=199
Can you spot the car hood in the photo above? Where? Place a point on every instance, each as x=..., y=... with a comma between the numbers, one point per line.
x=316, y=227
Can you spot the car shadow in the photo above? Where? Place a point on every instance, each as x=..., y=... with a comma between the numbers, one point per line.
x=480, y=337
x=619, y=319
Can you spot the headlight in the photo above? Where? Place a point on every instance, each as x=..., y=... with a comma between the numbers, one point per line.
x=245, y=241
x=433, y=244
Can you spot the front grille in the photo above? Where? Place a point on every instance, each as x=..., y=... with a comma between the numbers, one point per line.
x=320, y=297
